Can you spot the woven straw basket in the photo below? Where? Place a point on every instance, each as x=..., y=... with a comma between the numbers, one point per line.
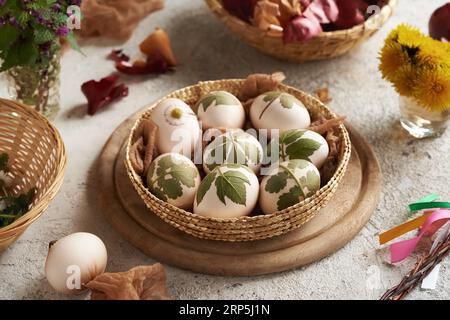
x=243, y=228
x=325, y=46
x=37, y=158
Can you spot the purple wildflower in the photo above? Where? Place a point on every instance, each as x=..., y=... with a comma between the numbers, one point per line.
x=62, y=31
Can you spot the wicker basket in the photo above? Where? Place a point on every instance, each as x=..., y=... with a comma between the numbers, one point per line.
x=243, y=228
x=325, y=46
x=37, y=159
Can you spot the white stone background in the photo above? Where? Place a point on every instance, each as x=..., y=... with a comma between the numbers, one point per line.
x=207, y=50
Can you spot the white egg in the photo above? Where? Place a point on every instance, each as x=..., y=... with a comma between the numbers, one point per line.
x=220, y=109
x=278, y=110
x=234, y=146
x=287, y=184
x=178, y=127
x=75, y=260
x=301, y=144
x=175, y=179
x=229, y=191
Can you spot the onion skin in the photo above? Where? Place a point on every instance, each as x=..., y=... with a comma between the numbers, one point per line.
x=439, y=25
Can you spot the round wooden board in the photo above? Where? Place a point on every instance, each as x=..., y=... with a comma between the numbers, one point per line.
x=333, y=227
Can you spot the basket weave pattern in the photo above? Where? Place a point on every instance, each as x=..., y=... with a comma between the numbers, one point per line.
x=243, y=228
x=37, y=158
x=325, y=46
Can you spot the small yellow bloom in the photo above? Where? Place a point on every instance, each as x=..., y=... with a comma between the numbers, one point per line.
x=392, y=58
x=409, y=36
x=405, y=80
x=433, y=53
x=433, y=88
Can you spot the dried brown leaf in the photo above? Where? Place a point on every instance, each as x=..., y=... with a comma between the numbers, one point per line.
x=323, y=94
x=258, y=83
x=136, y=152
x=323, y=125
x=139, y=283
x=265, y=15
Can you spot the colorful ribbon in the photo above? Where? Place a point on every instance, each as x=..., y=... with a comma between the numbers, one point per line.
x=429, y=223
x=402, y=249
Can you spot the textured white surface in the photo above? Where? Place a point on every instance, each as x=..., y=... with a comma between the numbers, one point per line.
x=208, y=51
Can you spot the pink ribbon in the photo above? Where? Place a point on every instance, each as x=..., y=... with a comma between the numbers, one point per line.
x=402, y=249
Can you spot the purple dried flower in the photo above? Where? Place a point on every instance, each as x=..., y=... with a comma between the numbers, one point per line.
x=56, y=7
x=2, y=2
x=13, y=22
x=62, y=31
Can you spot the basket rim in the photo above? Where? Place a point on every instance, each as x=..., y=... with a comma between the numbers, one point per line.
x=390, y=5
x=36, y=210
x=137, y=180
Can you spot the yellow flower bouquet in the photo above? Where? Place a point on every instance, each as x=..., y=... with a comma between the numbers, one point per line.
x=419, y=69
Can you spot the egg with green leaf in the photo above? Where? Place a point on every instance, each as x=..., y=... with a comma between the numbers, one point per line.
x=287, y=184
x=220, y=109
x=175, y=179
x=234, y=146
x=279, y=110
x=300, y=144
x=228, y=191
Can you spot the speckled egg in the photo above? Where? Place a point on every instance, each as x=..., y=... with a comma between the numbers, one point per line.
x=234, y=146
x=220, y=109
x=229, y=191
x=301, y=144
x=279, y=110
x=178, y=127
x=287, y=184
x=175, y=179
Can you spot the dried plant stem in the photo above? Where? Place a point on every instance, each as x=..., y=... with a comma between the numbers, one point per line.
x=422, y=268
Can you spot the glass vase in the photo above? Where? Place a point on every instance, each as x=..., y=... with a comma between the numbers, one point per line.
x=421, y=122
x=37, y=86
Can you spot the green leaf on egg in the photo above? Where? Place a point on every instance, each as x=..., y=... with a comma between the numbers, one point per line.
x=298, y=164
x=290, y=198
x=288, y=101
x=277, y=182
x=235, y=148
x=302, y=149
x=271, y=96
x=215, y=98
x=231, y=184
x=205, y=186
x=171, y=176
x=311, y=181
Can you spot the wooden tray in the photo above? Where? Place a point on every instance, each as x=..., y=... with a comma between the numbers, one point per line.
x=334, y=226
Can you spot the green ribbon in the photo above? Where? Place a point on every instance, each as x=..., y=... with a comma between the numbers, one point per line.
x=428, y=202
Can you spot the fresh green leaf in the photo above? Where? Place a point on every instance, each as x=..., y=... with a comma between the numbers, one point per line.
x=231, y=184
x=8, y=35
x=291, y=136
x=73, y=42
x=302, y=149
x=205, y=185
x=43, y=35
x=290, y=198
x=277, y=182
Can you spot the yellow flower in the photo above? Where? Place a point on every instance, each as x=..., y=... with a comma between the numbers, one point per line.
x=392, y=58
x=433, y=88
x=434, y=53
x=405, y=80
x=409, y=36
